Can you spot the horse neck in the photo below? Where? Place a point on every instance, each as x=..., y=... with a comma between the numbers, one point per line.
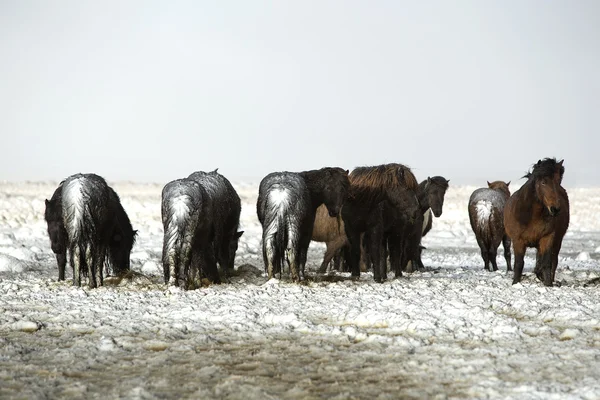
x=423, y=197
x=530, y=198
x=314, y=183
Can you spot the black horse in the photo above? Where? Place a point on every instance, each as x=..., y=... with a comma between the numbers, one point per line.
x=188, y=221
x=373, y=190
x=226, y=214
x=286, y=208
x=431, y=194
x=119, y=245
x=89, y=221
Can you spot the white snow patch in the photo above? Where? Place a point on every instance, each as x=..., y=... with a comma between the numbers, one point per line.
x=484, y=210
x=11, y=264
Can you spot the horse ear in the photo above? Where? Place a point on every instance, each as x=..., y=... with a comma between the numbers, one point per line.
x=508, y=183
x=488, y=182
x=47, y=202
x=447, y=181
x=239, y=234
x=560, y=163
x=215, y=171
x=347, y=171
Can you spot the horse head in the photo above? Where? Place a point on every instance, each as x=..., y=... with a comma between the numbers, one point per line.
x=233, y=246
x=501, y=186
x=547, y=175
x=436, y=189
x=336, y=190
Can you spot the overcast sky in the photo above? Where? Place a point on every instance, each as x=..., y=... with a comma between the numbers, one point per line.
x=154, y=90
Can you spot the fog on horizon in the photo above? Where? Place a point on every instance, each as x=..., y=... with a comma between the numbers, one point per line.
x=152, y=91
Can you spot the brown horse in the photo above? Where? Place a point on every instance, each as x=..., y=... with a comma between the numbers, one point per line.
x=486, y=214
x=329, y=230
x=537, y=215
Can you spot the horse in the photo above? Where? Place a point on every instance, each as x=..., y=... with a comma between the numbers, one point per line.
x=226, y=213
x=486, y=214
x=187, y=213
x=89, y=221
x=121, y=240
x=537, y=215
x=430, y=194
x=371, y=189
x=286, y=207
x=329, y=230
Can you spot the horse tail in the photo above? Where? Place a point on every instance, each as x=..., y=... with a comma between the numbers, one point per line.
x=276, y=229
x=84, y=208
x=74, y=207
x=485, y=215
x=179, y=223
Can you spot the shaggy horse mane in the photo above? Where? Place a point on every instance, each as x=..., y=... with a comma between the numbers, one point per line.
x=545, y=168
x=384, y=176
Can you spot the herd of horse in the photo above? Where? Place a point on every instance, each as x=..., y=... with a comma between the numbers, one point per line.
x=366, y=217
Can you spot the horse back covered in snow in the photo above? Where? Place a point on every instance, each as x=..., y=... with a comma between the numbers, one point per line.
x=117, y=245
x=85, y=217
x=200, y=216
x=286, y=207
x=486, y=214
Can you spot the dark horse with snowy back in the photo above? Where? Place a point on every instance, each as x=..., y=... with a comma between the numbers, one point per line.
x=286, y=207
x=187, y=212
x=486, y=214
x=119, y=246
x=85, y=217
x=537, y=215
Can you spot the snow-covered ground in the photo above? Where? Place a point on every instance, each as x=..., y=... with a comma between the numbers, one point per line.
x=453, y=331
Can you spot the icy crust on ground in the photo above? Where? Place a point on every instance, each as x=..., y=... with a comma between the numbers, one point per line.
x=452, y=331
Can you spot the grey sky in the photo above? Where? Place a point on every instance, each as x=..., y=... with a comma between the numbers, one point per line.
x=153, y=90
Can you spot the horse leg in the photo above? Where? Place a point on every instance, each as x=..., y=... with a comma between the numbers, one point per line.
x=61, y=260
x=303, y=251
x=545, y=251
x=375, y=250
x=538, y=266
x=493, y=253
x=90, y=261
x=506, y=245
x=209, y=265
x=555, y=250
x=292, y=259
x=484, y=254
x=354, y=253
x=393, y=245
x=99, y=256
x=365, y=258
x=76, y=264
x=519, y=249
x=268, y=253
